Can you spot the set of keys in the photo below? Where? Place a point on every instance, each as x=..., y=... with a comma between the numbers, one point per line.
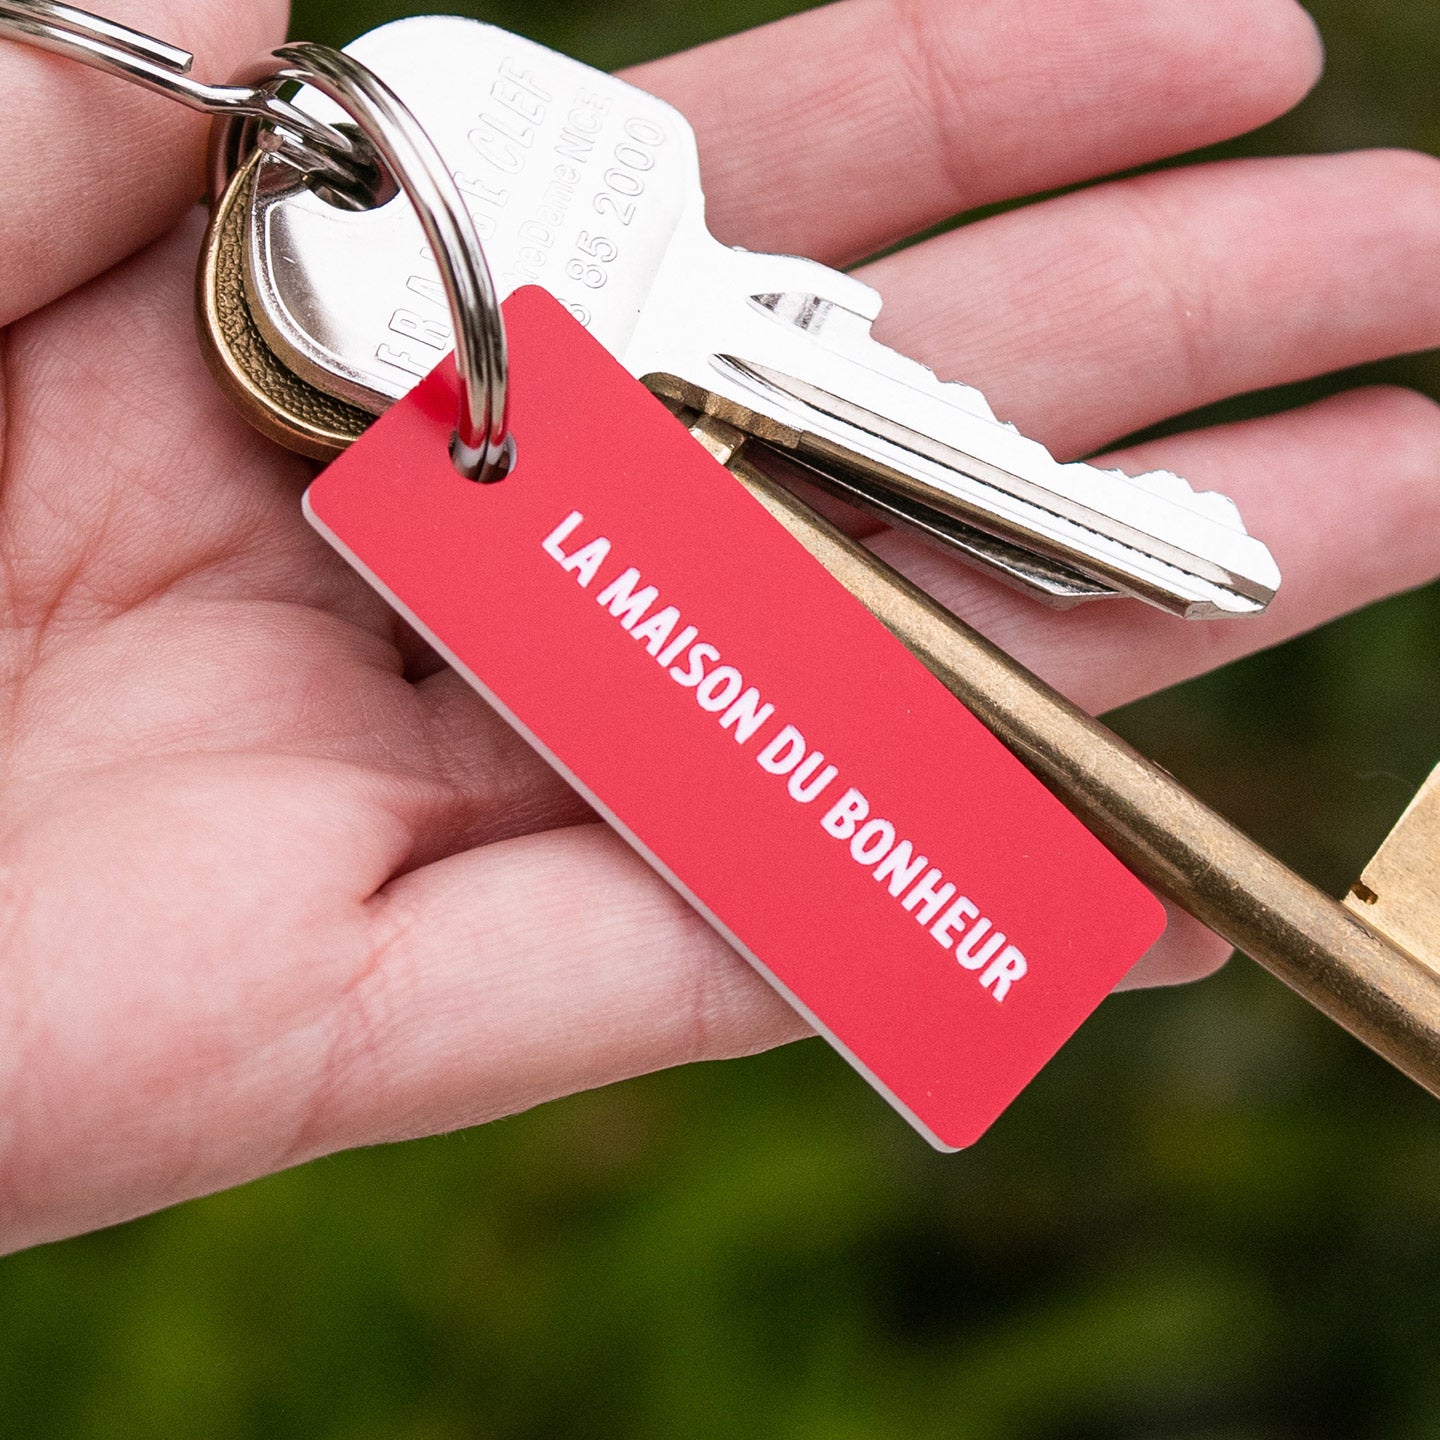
x=321, y=307
x=591, y=188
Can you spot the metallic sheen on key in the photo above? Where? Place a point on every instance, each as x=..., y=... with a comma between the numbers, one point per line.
x=591, y=188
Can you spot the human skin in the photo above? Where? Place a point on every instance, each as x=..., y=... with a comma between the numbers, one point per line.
x=272, y=882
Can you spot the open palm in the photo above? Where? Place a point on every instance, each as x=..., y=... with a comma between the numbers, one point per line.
x=271, y=882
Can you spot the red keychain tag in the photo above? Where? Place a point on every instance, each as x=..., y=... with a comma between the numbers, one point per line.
x=746, y=724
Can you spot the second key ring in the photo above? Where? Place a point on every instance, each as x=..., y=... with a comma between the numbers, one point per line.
x=409, y=154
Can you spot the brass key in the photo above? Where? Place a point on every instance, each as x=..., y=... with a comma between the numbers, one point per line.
x=276, y=402
x=1372, y=964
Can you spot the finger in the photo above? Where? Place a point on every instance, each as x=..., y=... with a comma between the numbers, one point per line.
x=1186, y=952
x=91, y=167
x=1091, y=316
x=910, y=111
x=514, y=974
x=1344, y=492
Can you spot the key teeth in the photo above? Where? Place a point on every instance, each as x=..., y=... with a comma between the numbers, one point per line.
x=800, y=310
x=1213, y=504
x=970, y=398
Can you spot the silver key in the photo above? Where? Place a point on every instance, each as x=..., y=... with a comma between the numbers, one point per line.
x=590, y=187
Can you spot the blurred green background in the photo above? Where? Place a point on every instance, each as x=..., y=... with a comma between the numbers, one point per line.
x=1215, y=1217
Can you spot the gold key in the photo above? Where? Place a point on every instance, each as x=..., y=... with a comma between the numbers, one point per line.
x=270, y=397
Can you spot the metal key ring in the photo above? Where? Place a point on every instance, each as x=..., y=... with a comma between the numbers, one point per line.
x=401, y=144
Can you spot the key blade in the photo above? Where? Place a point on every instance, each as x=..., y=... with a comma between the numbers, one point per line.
x=965, y=484
x=1344, y=966
x=803, y=372
x=850, y=334
x=1049, y=581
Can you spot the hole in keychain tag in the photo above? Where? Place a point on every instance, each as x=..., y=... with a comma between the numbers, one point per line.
x=746, y=724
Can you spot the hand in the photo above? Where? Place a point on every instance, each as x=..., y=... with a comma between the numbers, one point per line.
x=270, y=883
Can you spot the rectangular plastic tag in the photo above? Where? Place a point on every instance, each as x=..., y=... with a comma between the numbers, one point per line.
x=752, y=730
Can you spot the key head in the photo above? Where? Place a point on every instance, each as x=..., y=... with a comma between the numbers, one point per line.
x=272, y=397
x=576, y=181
